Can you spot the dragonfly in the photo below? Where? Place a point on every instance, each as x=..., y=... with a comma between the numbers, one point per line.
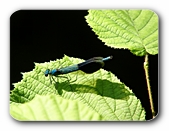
x=88, y=66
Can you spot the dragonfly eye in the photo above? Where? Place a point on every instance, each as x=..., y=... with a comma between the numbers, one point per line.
x=47, y=72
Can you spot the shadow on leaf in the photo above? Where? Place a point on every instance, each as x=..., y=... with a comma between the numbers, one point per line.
x=103, y=88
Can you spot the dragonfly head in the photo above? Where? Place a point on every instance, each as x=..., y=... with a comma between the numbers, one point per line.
x=47, y=72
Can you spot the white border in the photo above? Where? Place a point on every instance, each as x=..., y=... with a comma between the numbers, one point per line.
x=7, y=7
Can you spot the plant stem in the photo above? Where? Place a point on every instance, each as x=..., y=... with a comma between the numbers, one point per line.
x=146, y=65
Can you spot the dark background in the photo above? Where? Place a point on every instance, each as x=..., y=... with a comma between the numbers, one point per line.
x=41, y=36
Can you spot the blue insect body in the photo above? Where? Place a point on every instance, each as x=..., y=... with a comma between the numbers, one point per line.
x=65, y=70
x=107, y=58
x=88, y=66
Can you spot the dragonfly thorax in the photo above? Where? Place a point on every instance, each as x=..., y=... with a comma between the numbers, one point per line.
x=53, y=72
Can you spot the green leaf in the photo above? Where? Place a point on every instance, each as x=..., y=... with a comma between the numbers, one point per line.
x=52, y=107
x=136, y=30
x=100, y=91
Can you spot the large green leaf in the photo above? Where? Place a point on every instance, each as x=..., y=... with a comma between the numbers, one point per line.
x=136, y=30
x=52, y=107
x=100, y=91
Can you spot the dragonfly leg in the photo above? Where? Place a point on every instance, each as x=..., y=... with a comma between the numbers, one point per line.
x=68, y=80
x=73, y=80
